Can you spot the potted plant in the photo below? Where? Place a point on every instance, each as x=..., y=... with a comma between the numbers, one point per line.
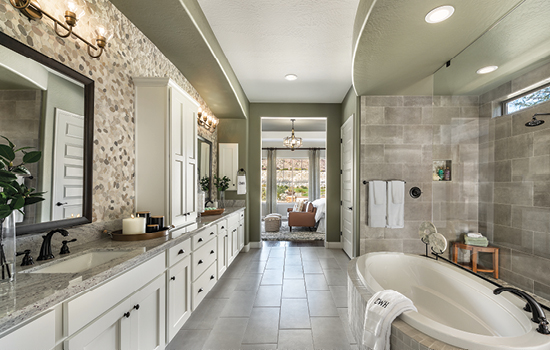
x=205, y=184
x=13, y=196
x=222, y=185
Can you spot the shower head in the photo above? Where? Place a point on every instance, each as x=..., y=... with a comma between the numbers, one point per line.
x=535, y=121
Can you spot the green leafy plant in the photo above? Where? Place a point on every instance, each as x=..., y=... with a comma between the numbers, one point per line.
x=205, y=184
x=15, y=196
x=221, y=184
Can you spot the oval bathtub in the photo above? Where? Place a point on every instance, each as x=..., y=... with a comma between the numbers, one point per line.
x=454, y=307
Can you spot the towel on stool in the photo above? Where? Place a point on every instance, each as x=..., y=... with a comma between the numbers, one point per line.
x=382, y=309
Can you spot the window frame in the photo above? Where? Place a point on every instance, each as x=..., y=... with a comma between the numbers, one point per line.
x=504, y=104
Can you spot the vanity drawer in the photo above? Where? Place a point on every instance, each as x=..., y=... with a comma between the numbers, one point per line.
x=203, y=285
x=83, y=309
x=203, y=236
x=37, y=335
x=222, y=225
x=179, y=251
x=233, y=220
x=202, y=258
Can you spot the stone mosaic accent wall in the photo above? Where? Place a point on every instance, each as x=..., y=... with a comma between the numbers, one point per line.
x=129, y=53
x=401, y=136
x=515, y=186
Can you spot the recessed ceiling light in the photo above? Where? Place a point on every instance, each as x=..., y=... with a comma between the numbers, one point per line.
x=291, y=77
x=439, y=14
x=486, y=70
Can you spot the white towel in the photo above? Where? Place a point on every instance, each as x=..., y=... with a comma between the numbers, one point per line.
x=241, y=184
x=376, y=213
x=396, y=211
x=474, y=235
x=382, y=309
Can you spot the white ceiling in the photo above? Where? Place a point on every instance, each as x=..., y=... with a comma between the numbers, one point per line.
x=264, y=40
x=300, y=124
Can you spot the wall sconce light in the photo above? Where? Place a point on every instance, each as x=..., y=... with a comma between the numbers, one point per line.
x=31, y=9
x=206, y=120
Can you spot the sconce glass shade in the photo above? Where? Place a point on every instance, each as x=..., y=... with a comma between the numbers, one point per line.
x=104, y=31
x=76, y=7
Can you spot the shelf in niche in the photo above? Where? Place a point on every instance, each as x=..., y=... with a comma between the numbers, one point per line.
x=439, y=168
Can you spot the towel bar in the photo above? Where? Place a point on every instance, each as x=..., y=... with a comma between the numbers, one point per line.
x=366, y=182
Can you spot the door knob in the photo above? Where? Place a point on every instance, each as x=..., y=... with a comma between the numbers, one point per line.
x=60, y=204
x=350, y=208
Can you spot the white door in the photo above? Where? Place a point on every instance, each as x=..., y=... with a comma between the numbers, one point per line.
x=178, y=161
x=68, y=165
x=346, y=208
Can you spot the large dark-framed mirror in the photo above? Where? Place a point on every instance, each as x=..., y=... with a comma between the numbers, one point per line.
x=50, y=107
x=204, y=164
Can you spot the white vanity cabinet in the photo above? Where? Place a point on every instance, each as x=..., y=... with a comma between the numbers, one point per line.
x=223, y=247
x=203, y=261
x=39, y=334
x=178, y=303
x=240, y=231
x=166, y=155
x=135, y=323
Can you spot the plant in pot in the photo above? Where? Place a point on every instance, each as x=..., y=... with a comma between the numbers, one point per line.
x=221, y=184
x=14, y=195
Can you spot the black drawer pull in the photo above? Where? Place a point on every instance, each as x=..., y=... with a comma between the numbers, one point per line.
x=200, y=240
x=181, y=251
x=211, y=252
x=200, y=290
x=127, y=314
x=173, y=278
x=136, y=306
x=200, y=262
x=223, y=227
x=212, y=232
x=212, y=277
x=226, y=236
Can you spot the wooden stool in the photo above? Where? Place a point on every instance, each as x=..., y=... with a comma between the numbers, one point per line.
x=474, y=257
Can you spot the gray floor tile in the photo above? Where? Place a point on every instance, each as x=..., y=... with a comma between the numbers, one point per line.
x=272, y=277
x=316, y=282
x=339, y=295
x=321, y=304
x=309, y=256
x=329, y=263
x=227, y=334
x=293, y=260
x=323, y=252
x=268, y=296
x=249, y=281
x=294, y=288
x=336, y=277
x=293, y=271
x=263, y=326
x=277, y=253
x=345, y=323
x=295, y=339
x=240, y=304
x=275, y=263
x=328, y=333
x=294, y=314
x=257, y=346
x=223, y=288
x=235, y=270
x=292, y=251
x=206, y=314
x=188, y=340
x=256, y=267
x=312, y=266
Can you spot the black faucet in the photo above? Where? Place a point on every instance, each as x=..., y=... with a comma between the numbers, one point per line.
x=538, y=314
x=46, y=249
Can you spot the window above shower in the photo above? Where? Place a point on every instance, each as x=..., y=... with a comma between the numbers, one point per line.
x=529, y=99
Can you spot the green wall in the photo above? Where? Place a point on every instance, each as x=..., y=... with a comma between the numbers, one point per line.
x=330, y=111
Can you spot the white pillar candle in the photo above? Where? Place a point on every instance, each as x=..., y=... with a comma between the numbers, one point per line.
x=133, y=225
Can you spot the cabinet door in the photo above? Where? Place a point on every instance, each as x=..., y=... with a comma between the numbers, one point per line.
x=37, y=335
x=222, y=253
x=233, y=244
x=178, y=158
x=178, y=305
x=240, y=232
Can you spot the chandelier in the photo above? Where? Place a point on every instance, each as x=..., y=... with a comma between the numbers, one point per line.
x=292, y=141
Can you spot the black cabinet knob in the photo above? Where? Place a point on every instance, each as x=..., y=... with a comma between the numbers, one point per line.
x=181, y=252
x=212, y=277
x=200, y=262
x=127, y=314
x=350, y=208
x=173, y=278
x=200, y=240
x=212, y=252
x=200, y=290
x=212, y=232
x=136, y=306
x=223, y=227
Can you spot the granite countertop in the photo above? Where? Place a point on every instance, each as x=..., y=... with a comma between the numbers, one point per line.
x=33, y=293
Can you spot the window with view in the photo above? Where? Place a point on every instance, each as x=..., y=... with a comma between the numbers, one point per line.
x=528, y=100
x=292, y=179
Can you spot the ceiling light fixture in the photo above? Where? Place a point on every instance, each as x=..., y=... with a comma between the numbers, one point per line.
x=75, y=10
x=291, y=77
x=292, y=141
x=486, y=70
x=206, y=120
x=439, y=14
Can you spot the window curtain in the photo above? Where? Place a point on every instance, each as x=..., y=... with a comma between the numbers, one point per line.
x=314, y=174
x=271, y=188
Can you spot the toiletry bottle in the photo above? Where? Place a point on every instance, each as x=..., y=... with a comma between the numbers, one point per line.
x=447, y=174
x=440, y=173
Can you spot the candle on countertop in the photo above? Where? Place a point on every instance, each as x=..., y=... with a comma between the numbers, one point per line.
x=152, y=228
x=157, y=220
x=144, y=214
x=133, y=225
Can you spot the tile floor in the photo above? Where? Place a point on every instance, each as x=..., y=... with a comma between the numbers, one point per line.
x=282, y=296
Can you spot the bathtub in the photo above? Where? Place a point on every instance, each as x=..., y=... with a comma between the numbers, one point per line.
x=454, y=307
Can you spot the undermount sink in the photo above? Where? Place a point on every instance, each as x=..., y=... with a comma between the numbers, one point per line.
x=82, y=262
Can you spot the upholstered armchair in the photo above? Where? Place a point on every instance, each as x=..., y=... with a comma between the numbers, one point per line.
x=304, y=218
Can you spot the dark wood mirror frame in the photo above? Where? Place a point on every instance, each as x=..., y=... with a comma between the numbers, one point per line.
x=88, y=83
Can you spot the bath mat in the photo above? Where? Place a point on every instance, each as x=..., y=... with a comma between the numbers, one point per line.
x=297, y=234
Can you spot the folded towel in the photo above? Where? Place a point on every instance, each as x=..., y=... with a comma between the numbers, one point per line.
x=480, y=242
x=376, y=213
x=396, y=211
x=382, y=309
x=474, y=235
x=397, y=191
x=241, y=184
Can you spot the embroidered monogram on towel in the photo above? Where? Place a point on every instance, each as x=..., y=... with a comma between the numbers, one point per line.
x=382, y=303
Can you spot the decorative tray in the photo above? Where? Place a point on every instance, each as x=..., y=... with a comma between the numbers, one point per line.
x=118, y=236
x=213, y=212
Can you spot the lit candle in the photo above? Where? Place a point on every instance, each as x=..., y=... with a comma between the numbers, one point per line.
x=133, y=225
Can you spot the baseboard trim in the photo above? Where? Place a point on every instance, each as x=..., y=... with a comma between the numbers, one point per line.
x=255, y=245
x=334, y=245
x=246, y=248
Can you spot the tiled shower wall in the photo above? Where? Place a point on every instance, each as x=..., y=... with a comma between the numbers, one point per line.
x=400, y=138
x=129, y=53
x=515, y=186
